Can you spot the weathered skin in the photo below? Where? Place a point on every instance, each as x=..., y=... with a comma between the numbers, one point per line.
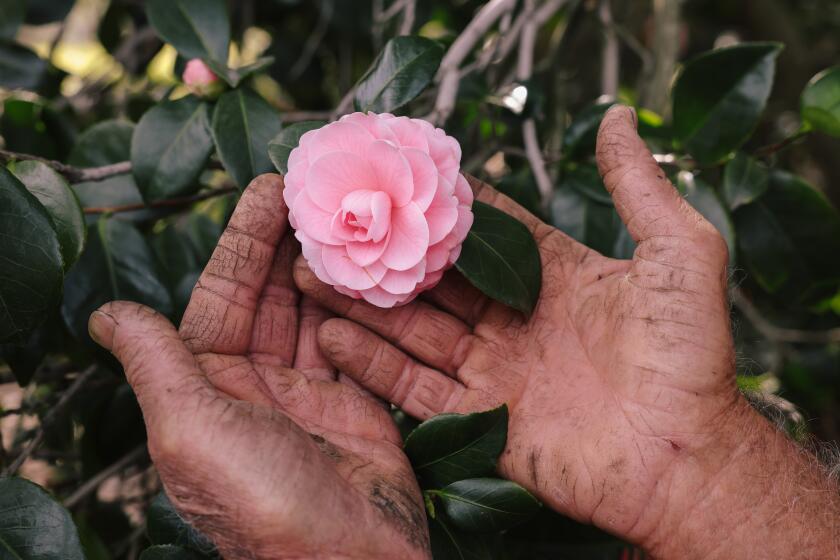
x=256, y=442
x=621, y=385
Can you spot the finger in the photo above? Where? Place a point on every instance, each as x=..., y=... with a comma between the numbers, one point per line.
x=308, y=359
x=220, y=315
x=645, y=199
x=157, y=364
x=275, y=331
x=386, y=371
x=431, y=335
x=457, y=296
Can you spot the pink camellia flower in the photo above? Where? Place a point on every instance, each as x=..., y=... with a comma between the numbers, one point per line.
x=199, y=78
x=379, y=205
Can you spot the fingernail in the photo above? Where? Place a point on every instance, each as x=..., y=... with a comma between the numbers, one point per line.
x=634, y=115
x=101, y=327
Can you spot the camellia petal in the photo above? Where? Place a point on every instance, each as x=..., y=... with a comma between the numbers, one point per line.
x=409, y=239
x=392, y=172
x=424, y=174
x=380, y=207
x=333, y=176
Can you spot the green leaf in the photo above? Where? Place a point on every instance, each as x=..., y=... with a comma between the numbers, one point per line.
x=169, y=552
x=288, y=139
x=116, y=264
x=30, y=127
x=500, y=258
x=486, y=505
x=402, y=70
x=20, y=67
x=583, y=210
x=719, y=97
x=820, y=104
x=703, y=198
x=11, y=16
x=170, y=147
x=579, y=137
x=105, y=143
x=451, y=447
x=744, y=180
x=196, y=28
x=61, y=203
x=164, y=525
x=785, y=237
x=448, y=543
x=33, y=526
x=243, y=125
x=30, y=261
x=235, y=76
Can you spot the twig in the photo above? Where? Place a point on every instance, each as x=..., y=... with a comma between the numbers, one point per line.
x=391, y=11
x=94, y=483
x=780, y=334
x=409, y=12
x=781, y=145
x=448, y=76
x=325, y=13
x=49, y=418
x=72, y=174
x=654, y=83
x=524, y=69
x=344, y=105
x=180, y=201
x=610, y=52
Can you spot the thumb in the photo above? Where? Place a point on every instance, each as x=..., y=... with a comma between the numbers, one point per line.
x=157, y=364
x=645, y=199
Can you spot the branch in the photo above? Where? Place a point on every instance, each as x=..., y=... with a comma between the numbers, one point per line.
x=313, y=41
x=655, y=83
x=49, y=418
x=779, y=334
x=172, y=202
x=448, y=76
x=408, y=17
x=610, y=53
x=72, y=174
x=94, y=483
x=771, y=149
x=298, y=116
x=524, y=69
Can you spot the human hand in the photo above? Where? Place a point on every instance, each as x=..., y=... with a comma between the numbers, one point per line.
x=623, y=374
x=255, y=441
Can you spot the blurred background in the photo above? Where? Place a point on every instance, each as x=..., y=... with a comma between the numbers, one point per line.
x=75, y=75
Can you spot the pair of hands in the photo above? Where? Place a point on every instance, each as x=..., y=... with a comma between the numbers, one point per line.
x=620, y=386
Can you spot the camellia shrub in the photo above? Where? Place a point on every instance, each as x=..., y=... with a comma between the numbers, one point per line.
x=125, y=145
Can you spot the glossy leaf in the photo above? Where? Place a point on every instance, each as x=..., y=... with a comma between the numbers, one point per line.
x=164, y=525
x=32, y=267
x=744, y=180
x=451, y=447
x=500, y=258
x=170, y=147
x=820, y=105
x=11, y=16
x=31, y=127
x=33, y=526
x=169, y=552
x=288, y=139
x=719, y=97
x=53, y=192
x=20, y=67
x=402, y=70
x=703, y=198
x=235, y=76
x=116, y=264
x=582, y=209
x=784, y=238
x=484, y=505
x=105, y=143
x=579, y=136
x=448, y=543
x=243, y=125
x=196, y=28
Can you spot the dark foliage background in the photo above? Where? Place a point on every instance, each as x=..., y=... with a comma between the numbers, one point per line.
x=92, y=88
